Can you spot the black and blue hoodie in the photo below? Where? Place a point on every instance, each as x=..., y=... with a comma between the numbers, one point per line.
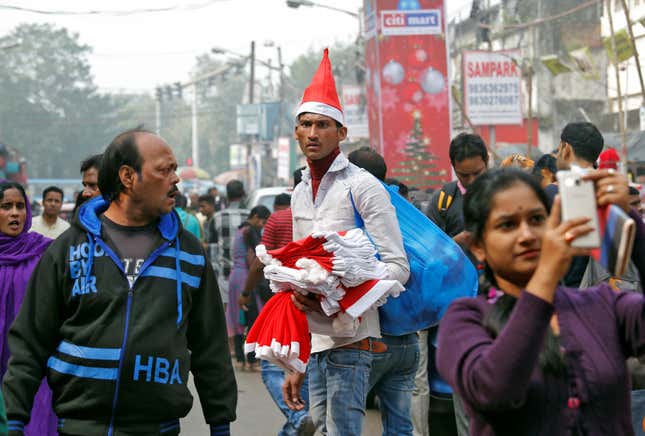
x=117, y=356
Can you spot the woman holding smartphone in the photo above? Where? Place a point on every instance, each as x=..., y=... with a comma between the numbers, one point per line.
x=529, y=356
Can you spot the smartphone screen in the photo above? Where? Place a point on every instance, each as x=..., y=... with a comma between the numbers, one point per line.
x=579, y=200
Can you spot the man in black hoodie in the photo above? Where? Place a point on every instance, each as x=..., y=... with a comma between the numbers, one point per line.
x=120, y=308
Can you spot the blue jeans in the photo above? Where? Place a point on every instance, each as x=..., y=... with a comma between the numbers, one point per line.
x=273, y=377
x=338, y=385
x=392, y=379
x=638, y=411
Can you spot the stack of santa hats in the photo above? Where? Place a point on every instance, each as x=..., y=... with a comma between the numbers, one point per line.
x=341, y=270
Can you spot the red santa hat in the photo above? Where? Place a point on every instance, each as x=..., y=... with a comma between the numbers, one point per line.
x=321, y=96
x=608, y=159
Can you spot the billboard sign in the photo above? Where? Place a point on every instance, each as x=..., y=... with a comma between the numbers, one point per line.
x=408, y=99
x=354, y=111
x=492, y=87
x=411, y=22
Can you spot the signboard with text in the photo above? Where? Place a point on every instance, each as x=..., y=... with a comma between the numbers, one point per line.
x=492, y=87
x=354, y=111
x=408, y=99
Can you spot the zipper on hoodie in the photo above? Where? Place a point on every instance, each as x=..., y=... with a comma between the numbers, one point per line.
x=153, y=256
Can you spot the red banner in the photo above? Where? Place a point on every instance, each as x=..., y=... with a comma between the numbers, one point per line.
x=408, y=91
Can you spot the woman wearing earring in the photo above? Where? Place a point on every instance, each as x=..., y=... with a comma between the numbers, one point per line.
x=529, y=356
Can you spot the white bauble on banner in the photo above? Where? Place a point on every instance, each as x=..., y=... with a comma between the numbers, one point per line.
x=393, y=73
x=432, y=81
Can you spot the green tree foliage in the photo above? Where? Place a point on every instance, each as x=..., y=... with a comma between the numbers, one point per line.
x=50, y=109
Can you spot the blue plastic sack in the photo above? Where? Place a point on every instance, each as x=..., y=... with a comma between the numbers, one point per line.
x=440, y=272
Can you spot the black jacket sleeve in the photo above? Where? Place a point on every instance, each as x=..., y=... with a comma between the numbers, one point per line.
x=210, y=358
x=32, y=338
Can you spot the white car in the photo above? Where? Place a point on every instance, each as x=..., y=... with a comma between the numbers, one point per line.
x=266, y=196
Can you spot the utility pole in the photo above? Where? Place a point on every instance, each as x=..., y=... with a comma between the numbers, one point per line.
x=638, y=63
x=158, y=116
x=280, y=92
x=195, y=137
x=249, y=145
x=619, y=99
x=529, y=127
x=252, y=75
x=631, y=37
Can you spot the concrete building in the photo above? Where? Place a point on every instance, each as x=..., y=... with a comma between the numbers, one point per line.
x=538, y=28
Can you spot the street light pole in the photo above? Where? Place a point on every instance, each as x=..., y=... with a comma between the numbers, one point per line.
x=295, y=4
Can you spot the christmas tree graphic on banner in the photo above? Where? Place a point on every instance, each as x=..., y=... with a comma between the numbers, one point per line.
x=419, y=169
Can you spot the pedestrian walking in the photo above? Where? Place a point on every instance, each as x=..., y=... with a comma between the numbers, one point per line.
x=121, y=308
x=50, y=224
x=247, y=237
x=20, y=251
x=529, y=356
x=339, y=367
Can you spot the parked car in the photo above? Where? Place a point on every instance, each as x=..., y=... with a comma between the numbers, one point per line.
x=266, y=196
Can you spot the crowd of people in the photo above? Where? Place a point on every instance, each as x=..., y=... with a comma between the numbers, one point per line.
x=103, y=317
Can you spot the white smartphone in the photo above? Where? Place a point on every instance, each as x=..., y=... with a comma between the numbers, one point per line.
x=578, y=198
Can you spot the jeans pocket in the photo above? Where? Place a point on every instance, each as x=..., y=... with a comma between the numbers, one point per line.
x=344, y=358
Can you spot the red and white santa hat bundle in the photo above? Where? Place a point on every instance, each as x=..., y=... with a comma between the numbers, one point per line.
x=281, y=332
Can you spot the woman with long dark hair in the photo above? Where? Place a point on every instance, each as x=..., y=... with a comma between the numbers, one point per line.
x=529, y=356
x=20, y=251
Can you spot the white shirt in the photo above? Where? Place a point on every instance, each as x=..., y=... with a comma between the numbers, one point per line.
x=333, y=211
x=39, y=225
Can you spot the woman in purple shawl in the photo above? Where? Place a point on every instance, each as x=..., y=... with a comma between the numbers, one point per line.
x=20, y=251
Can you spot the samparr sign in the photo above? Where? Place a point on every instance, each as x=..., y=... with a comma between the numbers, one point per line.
x=492, y=87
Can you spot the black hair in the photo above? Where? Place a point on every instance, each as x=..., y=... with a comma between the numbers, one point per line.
x=403, y=188
x=477, y=207
x=465, y=146
x=207, y=199
x=545, y=162
x=338, y=123
x=633, y=191
x=122, y=151
x=234, y=190
x=93, y=161
x=297, y=176
x=180, y=200
x=282, y=200
x=260, y=211
x=369, y=160
x=585, y=139
x=53, y=189
x=5, y=186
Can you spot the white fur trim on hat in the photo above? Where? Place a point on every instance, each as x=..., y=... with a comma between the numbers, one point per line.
x=321, y=109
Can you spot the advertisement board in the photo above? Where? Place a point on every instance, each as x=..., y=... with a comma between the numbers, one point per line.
x=354, y=111
x=407, y=85
x=284, y=158
x=492, y=86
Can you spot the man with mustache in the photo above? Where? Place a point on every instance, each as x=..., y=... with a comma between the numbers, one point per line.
x=121, y=308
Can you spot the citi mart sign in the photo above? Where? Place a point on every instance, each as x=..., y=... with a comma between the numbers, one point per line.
x=416, y=22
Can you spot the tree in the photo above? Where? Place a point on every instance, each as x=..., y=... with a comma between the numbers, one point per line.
x=49, y=105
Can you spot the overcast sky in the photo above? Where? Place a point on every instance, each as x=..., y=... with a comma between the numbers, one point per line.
x=139, y=51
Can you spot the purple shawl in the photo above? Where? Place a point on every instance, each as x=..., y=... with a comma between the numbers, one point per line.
x=18, y=258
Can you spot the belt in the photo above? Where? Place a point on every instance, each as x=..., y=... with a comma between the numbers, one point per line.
x=367, y=344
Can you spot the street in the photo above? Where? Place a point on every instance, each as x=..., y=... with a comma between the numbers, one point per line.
x=256, y=412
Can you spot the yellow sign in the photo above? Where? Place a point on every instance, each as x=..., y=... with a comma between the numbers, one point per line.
x=554, y=65
x=624, y=47
x=584, y=63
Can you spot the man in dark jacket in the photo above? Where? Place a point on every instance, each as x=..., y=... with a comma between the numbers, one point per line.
x=469, y=159
x=120, y=308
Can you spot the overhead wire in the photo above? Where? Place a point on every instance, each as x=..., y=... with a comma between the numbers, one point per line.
x=177, y=7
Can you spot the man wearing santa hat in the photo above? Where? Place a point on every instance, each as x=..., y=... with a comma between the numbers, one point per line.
x=332, y=189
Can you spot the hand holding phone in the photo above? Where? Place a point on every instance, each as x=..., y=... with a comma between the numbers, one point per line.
x=578, y=198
